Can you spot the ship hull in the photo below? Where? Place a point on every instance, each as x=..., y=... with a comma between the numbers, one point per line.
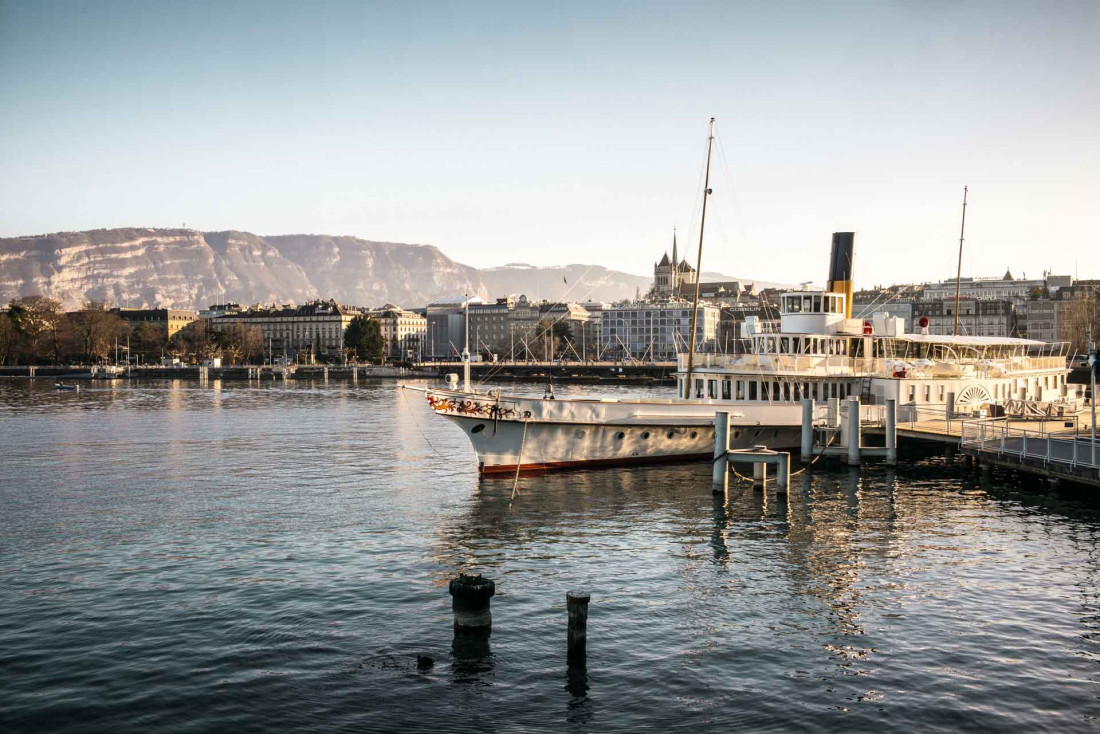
x=628, y=434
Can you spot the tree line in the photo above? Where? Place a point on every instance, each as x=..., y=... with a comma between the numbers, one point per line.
x=37, y=330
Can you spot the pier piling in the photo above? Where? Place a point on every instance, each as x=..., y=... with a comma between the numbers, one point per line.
x=719, y=472
x=470, y=597
x=807, y=430
x=891, y=432
x=854, y=432
x=577, y=604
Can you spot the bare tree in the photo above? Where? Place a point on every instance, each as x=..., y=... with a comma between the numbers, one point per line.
x=8, y=337
x=1078, y=315
x=94, y=330
x=36, y=320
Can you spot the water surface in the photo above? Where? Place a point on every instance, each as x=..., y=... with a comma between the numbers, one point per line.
x=256, y=557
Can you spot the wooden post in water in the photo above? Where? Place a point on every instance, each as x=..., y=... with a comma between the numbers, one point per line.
x=577, y=604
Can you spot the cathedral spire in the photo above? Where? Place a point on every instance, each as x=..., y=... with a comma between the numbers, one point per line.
x=675, y=259
x=675, y=279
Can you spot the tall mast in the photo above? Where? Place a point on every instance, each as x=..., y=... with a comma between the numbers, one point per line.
x=698, y=267
x=958, y=273
x=466, y=348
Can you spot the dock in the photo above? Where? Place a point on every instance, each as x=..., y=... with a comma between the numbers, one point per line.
x=1053, y=448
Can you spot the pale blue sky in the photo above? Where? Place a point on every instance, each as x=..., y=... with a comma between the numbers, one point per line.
x=555, y=133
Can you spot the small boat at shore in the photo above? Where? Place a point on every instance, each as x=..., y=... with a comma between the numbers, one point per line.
x=67, y=388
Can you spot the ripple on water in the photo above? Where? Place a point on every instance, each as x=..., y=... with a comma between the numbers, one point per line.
x=259, y=557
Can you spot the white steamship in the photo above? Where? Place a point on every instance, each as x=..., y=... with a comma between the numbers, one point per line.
x=818, y=352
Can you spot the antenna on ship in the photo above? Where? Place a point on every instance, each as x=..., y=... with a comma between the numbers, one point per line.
x=958, y=273
x=698, y=267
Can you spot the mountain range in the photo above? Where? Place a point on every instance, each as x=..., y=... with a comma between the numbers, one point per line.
x=186, y=268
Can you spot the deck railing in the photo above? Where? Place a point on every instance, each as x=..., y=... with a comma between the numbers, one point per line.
x=997, y=436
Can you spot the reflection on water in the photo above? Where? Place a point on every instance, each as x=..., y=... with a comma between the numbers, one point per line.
x=270, y=555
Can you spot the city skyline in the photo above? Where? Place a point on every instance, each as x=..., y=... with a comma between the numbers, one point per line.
x=572, y=135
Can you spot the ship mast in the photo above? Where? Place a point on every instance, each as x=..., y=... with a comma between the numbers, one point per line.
x=958, y=273
x=698, y=267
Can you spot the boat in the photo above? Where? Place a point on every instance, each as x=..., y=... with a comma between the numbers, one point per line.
x=817, y=351
x=63, y=386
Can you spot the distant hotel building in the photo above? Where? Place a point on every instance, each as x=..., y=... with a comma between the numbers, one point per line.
x=404, y=332
x=315, y=328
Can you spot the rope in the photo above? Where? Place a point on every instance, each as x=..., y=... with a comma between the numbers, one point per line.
x=741, y=476
x=421, y=430
x=519, y=463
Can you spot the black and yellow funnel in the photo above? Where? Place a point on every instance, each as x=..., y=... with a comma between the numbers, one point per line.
x=840, y=267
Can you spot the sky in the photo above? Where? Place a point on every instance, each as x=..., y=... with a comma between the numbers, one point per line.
x=554, y=133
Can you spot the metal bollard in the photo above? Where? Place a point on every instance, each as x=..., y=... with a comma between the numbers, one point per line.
x=470, y=597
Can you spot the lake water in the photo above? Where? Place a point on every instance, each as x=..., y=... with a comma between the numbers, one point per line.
x=267, y=557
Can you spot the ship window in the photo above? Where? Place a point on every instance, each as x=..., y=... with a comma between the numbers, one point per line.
x=807, y=303
x=786, y=392
x=725, y=389
x=928, y=393
x=671, y=434
x=620, y=436
x=752, y=389
x=694, y=434
x=817, y=304
x=478, y=428
x=785, y=345
x=794, y=304
x=740, y=389
x=807, y=345
x=712, y=389
x=699, y=388
x=941, y=393
x=912, y=393
x=805, y=390
x=765, y=390
x=645, y=435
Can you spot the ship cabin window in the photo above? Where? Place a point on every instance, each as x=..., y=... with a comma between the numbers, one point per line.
x=740, y=390
x=928, y=393
x=784, y=345
x=813, y=391
x=752, y=389
x=941, y=393
x=725, y=389
x=787, y=392
x=765, y=390
x=817, y=304
x=792, y=304
x=912, y=393
x=699, y=388
x=712, y=389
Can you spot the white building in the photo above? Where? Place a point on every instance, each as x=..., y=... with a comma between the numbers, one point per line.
x=315, y=328
x=405, y=332
x=656, y=330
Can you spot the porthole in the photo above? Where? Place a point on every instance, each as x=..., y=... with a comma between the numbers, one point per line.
x=620, y=436
x=694, y=434
x=671, y=434
x=478, y=428
x=645, y=434
x=579, y=434
x=737, y=434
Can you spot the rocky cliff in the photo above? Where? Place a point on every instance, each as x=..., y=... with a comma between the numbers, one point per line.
x=184, y=268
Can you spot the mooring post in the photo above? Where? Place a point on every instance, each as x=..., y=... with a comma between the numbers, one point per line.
x=892, y=432
x=807, y=430
x=577, y=604
x=853, y=432
x=759, y=469
x=783, y=473
x=470, y=597
x=719, y=470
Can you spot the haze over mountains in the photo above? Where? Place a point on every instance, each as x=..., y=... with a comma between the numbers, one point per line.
x=185, y=268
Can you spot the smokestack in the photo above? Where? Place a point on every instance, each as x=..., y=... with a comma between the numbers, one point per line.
x=840, y=267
